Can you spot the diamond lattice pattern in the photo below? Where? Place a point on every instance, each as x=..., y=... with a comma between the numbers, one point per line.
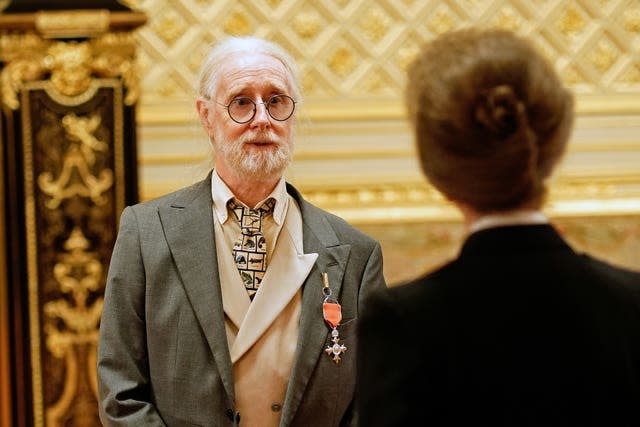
x=359, y=49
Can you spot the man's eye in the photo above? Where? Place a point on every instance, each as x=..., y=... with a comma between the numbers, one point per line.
x=274, y=100
x=242, y=101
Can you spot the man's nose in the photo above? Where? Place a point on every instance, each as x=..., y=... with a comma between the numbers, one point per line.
x=262, y=118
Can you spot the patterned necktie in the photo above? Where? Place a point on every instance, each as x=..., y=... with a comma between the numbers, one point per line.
x=250, y=249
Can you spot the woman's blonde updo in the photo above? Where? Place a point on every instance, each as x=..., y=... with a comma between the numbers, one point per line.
x=491, y=118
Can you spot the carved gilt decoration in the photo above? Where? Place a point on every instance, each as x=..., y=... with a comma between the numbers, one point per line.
x=71, y=330
x=68, y=67
x=77, y=162
x=74, y=182
x=85, y=22
x=69, y=86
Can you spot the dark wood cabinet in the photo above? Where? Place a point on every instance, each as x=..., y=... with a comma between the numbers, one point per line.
x=68, y=93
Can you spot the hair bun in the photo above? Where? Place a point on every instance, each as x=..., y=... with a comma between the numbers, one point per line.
x=499, y=110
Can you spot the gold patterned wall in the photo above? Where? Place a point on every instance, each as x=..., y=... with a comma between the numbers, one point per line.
x=354, y=152
x=356, y=51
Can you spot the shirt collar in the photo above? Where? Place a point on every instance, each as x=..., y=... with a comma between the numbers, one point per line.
x=518, y=217
x=221, y=194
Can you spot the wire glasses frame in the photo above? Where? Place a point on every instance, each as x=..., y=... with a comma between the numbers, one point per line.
x=243, y=109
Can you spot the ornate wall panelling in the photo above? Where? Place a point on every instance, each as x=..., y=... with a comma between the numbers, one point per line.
x=68, y=93
x=354, y=152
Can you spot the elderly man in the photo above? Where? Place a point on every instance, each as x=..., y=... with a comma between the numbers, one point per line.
x=234, y=301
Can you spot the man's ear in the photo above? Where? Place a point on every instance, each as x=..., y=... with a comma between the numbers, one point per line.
x=203, y=112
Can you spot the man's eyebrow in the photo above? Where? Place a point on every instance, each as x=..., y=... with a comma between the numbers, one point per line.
x=234, y=94
x=272, y=88
x=279, y=88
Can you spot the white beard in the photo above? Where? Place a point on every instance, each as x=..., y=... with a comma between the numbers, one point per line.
x=260, y=164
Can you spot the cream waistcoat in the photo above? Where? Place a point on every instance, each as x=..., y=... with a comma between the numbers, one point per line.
x=262, y=334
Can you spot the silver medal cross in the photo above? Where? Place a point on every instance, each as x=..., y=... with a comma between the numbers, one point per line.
x=336, y=349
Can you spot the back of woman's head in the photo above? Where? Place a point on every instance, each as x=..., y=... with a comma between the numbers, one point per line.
x=491, y=118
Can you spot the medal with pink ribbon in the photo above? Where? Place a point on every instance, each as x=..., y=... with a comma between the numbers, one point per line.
x=332, y=313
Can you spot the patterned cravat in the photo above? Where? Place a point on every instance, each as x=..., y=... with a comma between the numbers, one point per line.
x=250, y=249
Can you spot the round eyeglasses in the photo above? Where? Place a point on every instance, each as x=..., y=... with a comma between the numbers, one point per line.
x=243, y=110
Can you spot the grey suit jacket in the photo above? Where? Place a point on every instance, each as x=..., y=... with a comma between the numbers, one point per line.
x=163, y=357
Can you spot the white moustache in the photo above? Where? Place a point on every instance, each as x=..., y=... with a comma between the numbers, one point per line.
x=264, y=138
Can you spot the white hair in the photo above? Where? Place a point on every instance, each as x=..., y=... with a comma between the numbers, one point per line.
x=208, y=76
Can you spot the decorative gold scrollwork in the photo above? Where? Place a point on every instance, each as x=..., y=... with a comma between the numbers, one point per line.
x=71, y=328
x=76, y=178
x=81, y=129
x=70, y=66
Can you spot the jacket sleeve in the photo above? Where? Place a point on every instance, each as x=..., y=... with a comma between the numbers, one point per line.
x=123, y=373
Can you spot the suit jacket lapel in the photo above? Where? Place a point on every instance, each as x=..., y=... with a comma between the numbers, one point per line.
x=185, y=223
x=319, y=237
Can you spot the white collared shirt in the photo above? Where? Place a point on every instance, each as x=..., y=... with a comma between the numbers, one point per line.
x=517, y=217
x=272, y=224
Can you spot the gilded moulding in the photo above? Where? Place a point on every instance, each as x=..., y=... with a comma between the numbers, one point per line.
x=69, y=67
x=416, y=201
x=72, y=23
x=181, y=111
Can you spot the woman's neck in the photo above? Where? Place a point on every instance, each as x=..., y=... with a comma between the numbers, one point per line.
x=477, y=220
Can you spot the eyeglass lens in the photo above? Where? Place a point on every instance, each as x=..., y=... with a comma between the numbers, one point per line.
x=279, y=107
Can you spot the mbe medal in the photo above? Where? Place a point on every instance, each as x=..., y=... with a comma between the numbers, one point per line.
x=336, y=349
x=332, y=315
